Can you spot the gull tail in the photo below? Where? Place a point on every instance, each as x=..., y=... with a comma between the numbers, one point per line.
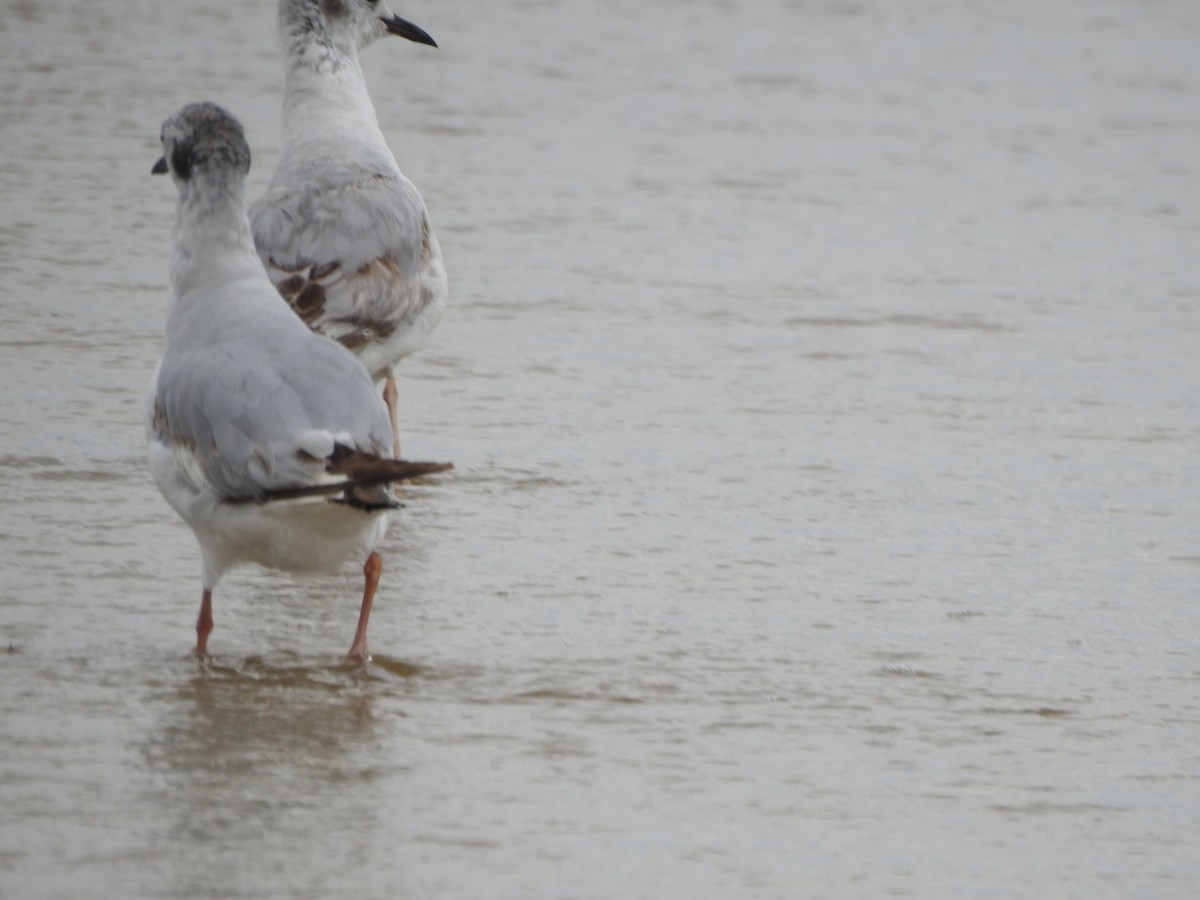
x=366, y=480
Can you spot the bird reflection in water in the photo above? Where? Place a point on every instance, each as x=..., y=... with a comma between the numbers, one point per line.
x=264, y=743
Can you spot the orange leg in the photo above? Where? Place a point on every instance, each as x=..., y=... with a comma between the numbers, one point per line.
x=372, y=569
x=204, y=623
x=389, y=399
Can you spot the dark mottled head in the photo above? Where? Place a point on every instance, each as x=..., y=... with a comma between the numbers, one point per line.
x=202, y=138
x=344, y=24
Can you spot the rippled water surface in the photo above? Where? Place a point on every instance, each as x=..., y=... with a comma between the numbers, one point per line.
x=821, y=378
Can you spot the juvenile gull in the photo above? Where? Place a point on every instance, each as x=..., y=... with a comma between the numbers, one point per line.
x=344, y=236
x=268, y=440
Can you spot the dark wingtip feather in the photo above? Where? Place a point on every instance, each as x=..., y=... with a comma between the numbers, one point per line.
x=366, y=469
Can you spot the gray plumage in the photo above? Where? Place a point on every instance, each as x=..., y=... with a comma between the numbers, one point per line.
x=247, y=398
x=268, y=440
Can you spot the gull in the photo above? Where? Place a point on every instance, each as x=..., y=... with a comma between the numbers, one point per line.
x=344, y=236
x=270, y=441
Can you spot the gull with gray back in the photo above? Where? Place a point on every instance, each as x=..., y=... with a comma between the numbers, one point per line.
x=270, y=441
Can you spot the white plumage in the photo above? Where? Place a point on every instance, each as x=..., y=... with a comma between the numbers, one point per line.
x=344, y=236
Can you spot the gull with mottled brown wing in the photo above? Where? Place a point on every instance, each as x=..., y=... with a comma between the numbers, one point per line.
x=344, y=236
x=270, y=441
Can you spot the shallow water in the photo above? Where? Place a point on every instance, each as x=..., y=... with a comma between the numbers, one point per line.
x=821, y=381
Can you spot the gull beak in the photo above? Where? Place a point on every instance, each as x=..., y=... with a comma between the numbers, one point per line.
x=160, y=167
x=405, y=29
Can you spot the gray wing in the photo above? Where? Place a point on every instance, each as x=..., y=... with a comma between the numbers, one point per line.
x=350, y=224
x=357, y=262
x=260, y=412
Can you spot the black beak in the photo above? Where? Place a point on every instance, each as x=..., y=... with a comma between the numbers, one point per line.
x=160, y=167
x=400, y=27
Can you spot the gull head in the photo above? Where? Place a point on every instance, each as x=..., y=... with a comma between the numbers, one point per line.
x=344, y=24
x=200, y=140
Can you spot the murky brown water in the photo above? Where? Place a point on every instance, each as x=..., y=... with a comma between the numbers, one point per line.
x=821, y=379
